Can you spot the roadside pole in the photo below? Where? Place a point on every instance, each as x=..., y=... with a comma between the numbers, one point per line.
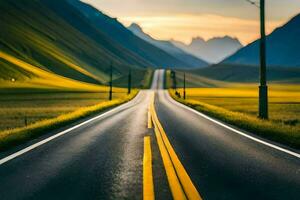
x=174, y=81
x=263, y=88
x=129, y=82
x=111, y=82
x=184, y=87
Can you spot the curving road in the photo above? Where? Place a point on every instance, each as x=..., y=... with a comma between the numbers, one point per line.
x=103, y=158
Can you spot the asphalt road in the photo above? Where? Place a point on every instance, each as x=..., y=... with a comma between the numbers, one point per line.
x=103, y=159
x=224, y=164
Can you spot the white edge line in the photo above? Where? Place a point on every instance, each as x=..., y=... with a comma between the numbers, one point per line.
x=31, y=147
x=297, y=155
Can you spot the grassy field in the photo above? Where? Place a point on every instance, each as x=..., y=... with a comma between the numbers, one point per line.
x=39, y=35
x=24, y=116
x=284, y=101
x=237, y=104
x=34, y=100
x=29, y=94
x=19, y=109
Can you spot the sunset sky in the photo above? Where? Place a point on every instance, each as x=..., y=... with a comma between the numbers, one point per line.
x=184, y=19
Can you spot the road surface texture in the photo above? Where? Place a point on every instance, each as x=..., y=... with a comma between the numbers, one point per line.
x=103, y=158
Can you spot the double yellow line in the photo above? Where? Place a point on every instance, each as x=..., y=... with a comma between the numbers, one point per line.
x=148, y=188
x=179, y=181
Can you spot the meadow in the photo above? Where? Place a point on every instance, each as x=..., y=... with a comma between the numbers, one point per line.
x=284, y=100
x=39, y=94
x=34, y=101
x=25, y=116
x=22, y=109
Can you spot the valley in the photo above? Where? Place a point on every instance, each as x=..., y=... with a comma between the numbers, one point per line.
x=148, y=100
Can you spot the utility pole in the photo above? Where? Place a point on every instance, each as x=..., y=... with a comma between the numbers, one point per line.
x=111, y=82
x=129, y=82
x=184, y=87
x=174, y=81
x=263, y=88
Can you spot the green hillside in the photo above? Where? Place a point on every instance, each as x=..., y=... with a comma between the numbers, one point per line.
x=112, y=28
x=34, y=33
x=244, y=73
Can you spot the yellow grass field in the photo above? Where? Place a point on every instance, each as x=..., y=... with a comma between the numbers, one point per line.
x=45, y=95
x=238, y=105
x=284, y=100
x=43, y=78
x=17, y=108
x=47, y=111
x=42, y=101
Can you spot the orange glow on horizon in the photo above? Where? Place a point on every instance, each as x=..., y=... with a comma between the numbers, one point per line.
x=185, y=27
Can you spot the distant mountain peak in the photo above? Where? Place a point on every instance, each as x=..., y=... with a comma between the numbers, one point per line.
x=213, y=50
x=197, y=40
x=168, y=47
x=226, y=38
x=135, y=26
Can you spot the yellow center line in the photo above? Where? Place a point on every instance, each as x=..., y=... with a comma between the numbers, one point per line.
x=180, y=183
x=150, y=124
x=149, y=120
x=174, y=183
x=148, y=188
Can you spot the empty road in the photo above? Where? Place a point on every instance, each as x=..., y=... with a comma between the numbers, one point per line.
x=106, y=158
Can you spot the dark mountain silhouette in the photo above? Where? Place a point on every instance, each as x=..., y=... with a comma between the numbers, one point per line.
x=121, y=35
x=213, y=50
x=247, y=73
x=167, y=46
x=54, y=36
x=283, y=46
x=60, y=38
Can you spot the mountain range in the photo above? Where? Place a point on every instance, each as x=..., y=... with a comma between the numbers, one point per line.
x=169, y=47
x=57, y=38
x=73, y=40
x=283, y=46
x=121, y=35
x=247, y=73
x=213, y=50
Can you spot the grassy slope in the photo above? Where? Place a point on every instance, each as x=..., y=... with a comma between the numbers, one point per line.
x=36, y=77
x=40, y=77
x=236, y=104
x=140, y=79
x=53, y=73
x=34, y=33
x=112, y=28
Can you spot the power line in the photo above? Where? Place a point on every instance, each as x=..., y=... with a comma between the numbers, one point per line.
x=255, y=3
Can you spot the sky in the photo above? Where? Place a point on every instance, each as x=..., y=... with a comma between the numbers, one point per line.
x=183, y=20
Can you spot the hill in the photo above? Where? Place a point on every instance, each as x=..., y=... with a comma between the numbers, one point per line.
x=213, y=50
x=167, y=46
x=55, y=37
x=121, y=35
x=283, y=46
x=246, y=73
